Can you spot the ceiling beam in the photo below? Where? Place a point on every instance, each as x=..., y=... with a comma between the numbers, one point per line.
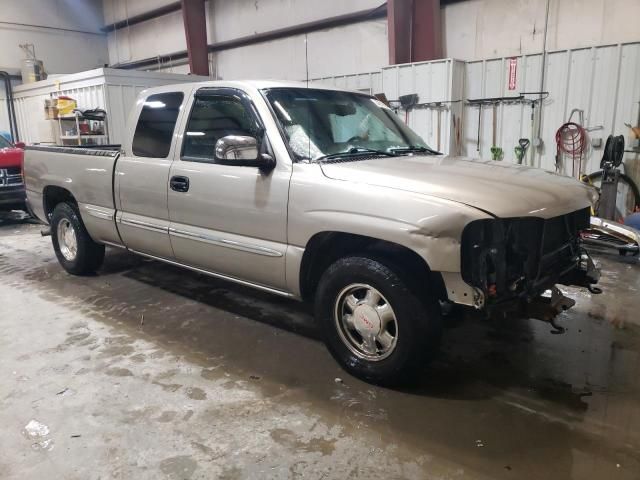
x=143, y=17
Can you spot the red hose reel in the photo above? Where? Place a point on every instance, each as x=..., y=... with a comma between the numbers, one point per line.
x=571, y=140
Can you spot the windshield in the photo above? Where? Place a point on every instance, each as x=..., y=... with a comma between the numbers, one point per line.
x=4, y=143
x=326, y=123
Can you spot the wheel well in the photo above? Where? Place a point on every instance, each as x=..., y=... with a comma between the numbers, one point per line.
x=52, y=196
x=325, y=248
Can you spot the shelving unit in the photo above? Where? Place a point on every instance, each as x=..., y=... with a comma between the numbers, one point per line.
x=72, y=123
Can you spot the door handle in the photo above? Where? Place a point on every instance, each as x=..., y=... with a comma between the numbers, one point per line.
x=179, y=183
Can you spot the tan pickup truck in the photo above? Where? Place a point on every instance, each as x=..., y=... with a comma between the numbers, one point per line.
x=320, y=195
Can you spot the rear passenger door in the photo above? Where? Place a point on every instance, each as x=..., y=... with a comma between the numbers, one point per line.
x=142, y=175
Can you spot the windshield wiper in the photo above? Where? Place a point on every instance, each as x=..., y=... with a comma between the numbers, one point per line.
x=415, y=148
x=354, y=151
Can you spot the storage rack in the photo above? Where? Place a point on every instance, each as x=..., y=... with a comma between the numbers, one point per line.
x=79, y=138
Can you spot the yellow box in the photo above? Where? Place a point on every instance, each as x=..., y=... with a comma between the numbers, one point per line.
x=66, y=105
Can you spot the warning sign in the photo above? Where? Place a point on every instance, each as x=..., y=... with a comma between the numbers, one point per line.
x=513, y=66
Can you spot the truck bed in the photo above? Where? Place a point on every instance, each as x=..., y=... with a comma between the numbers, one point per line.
x=85, y=173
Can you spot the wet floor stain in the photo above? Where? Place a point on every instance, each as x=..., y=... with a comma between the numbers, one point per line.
x=119, y=372
x=168, y=387
x=293, y=442
x=196, y=393
x=179, y=467
x=167, y=416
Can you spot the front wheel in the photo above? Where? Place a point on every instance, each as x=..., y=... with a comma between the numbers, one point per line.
x=76, y=251
x=377, y=323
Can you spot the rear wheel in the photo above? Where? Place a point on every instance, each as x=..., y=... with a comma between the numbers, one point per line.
x=377, y=323
x=76, y=251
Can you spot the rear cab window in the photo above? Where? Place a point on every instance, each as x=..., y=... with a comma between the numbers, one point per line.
x=156, y=124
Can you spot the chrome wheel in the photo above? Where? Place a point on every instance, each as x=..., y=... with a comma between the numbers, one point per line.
x=366, y=322
x=67, y=241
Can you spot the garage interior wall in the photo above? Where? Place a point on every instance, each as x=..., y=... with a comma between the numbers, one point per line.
x=479, y=29
x=65, y=33
x=471, y=30
x=357, y=47
x=602, y=82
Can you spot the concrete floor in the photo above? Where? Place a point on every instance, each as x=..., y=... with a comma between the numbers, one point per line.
x=147, y=371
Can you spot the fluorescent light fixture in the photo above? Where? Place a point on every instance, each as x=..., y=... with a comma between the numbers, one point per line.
x=195, y=134
x=155, y=104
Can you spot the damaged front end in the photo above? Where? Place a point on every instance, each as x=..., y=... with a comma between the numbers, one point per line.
x=514, y=261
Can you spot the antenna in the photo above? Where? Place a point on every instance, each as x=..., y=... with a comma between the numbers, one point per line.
x=306, y=57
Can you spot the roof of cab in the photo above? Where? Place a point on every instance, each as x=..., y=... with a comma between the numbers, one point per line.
x=256, y=84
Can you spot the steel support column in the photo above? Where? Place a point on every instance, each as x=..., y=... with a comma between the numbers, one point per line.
x=414, y=30
x=195, y=30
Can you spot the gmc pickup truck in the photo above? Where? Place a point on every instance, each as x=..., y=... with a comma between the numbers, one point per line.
x=320, y=195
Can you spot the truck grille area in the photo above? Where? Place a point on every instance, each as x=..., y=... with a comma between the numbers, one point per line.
x=521, y=256
x=10, y=177
x=560, y=244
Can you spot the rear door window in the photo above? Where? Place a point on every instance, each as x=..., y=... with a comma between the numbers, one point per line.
x=156, y=124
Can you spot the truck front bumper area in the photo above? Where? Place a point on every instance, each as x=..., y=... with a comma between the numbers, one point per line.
x=12, y=197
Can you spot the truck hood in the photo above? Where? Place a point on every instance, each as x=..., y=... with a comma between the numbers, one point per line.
x=499, y=188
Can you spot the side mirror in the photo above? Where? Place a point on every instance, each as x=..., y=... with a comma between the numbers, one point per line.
x=237, y=148
x=242, y=150
x=20, y=145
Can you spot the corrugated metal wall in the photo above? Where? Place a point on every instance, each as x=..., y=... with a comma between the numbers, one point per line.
x=437, y=81
x=439, y=85
x=364, y=82
x=604, y=82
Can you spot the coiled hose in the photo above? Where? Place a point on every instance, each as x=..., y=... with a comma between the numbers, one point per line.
x=571, y=139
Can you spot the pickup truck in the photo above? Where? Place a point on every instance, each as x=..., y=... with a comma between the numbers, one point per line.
x=320, y=195
x=12, y=192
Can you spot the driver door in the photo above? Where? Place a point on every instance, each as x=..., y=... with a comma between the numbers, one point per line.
x=227, y=219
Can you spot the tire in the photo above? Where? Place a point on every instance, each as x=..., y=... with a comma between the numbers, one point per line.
x=416, y=332
x=87, y=257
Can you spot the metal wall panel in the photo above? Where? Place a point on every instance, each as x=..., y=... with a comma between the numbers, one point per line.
x=436, y=81
x=602, y=81
x=370, y=82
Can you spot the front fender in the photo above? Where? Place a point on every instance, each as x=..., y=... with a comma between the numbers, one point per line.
x=429, y=226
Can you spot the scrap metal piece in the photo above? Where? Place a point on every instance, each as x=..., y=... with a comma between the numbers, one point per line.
x=548, y=308
x=608, y=234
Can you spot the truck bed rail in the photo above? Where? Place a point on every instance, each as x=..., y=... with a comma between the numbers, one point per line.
x=103, y=151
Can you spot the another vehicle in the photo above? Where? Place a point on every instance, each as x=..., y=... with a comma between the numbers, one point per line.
x=320, y=195
x=12, y=191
